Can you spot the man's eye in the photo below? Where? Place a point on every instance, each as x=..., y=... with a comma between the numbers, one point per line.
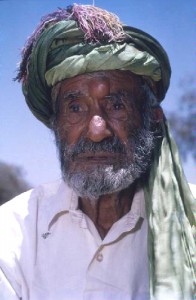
x=116, y=109
x=76, y=112
x=75, y=108
x=118, y=106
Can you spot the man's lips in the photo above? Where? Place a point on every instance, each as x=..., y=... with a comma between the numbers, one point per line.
x=98, y=157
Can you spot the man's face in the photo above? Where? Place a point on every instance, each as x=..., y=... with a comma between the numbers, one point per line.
x=102, y=141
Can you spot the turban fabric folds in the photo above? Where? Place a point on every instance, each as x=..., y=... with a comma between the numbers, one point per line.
x=64, y=48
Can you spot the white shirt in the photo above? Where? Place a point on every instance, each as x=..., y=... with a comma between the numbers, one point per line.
x=50, y=250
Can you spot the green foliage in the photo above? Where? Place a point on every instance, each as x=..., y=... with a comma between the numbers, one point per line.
x=183, y=120
x=11, y=182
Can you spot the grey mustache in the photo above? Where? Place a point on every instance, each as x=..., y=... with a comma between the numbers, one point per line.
x=112, y=145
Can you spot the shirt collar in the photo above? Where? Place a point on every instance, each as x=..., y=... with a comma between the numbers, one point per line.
x=138, y=204
x=62, y=199
x=55, y=199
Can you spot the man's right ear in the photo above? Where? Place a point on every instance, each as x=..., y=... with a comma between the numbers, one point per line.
x=159, y=119
x=158, y=114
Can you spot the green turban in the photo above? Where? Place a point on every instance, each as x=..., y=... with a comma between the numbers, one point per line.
x=81, y=39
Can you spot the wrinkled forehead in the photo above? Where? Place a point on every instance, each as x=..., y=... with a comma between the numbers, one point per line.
x=113, y=81
x=116, y=79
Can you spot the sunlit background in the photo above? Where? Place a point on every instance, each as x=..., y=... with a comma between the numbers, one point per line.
x=24, y=140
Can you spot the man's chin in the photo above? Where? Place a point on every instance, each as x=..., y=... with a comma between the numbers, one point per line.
x=98, y=181
x=90, y=165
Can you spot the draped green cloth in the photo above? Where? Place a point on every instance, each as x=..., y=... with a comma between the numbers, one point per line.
x=171, y=211
x=60, y=52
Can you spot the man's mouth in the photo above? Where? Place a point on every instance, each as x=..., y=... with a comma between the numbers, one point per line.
x=98, y=157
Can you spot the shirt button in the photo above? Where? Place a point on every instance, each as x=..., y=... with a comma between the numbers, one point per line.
x=99, y=257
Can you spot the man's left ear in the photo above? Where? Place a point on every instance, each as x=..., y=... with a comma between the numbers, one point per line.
x=158, y=114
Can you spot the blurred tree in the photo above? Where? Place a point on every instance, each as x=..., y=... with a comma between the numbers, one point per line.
x=11, y=182
x=183, y=120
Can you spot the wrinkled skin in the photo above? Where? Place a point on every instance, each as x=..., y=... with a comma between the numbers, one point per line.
x=98, y=106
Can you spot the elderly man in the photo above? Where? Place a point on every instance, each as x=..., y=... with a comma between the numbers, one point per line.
x=120, y=225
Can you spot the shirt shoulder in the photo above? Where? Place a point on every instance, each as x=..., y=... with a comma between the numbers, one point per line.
x=19, y=222
x=19, y=216
x=27, y=202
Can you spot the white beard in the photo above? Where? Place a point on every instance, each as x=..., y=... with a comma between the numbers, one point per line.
x=101, y=180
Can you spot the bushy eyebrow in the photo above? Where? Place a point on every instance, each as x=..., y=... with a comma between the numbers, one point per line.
x=71, y=95
x=118, y=96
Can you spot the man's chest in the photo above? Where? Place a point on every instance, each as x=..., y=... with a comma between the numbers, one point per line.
x=72, y=264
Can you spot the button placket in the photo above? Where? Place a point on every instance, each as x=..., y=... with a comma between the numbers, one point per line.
x=99, y=257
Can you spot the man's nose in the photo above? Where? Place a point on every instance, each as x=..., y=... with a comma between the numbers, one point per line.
x=98, y=129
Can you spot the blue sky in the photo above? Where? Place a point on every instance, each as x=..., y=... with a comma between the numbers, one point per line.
x=24, y=140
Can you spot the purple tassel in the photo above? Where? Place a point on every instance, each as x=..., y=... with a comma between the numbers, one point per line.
x=98, y=25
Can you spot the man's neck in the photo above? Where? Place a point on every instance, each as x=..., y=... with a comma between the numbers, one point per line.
x=108, y=209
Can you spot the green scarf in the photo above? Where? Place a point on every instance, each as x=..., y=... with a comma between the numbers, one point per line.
x=171, y=211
